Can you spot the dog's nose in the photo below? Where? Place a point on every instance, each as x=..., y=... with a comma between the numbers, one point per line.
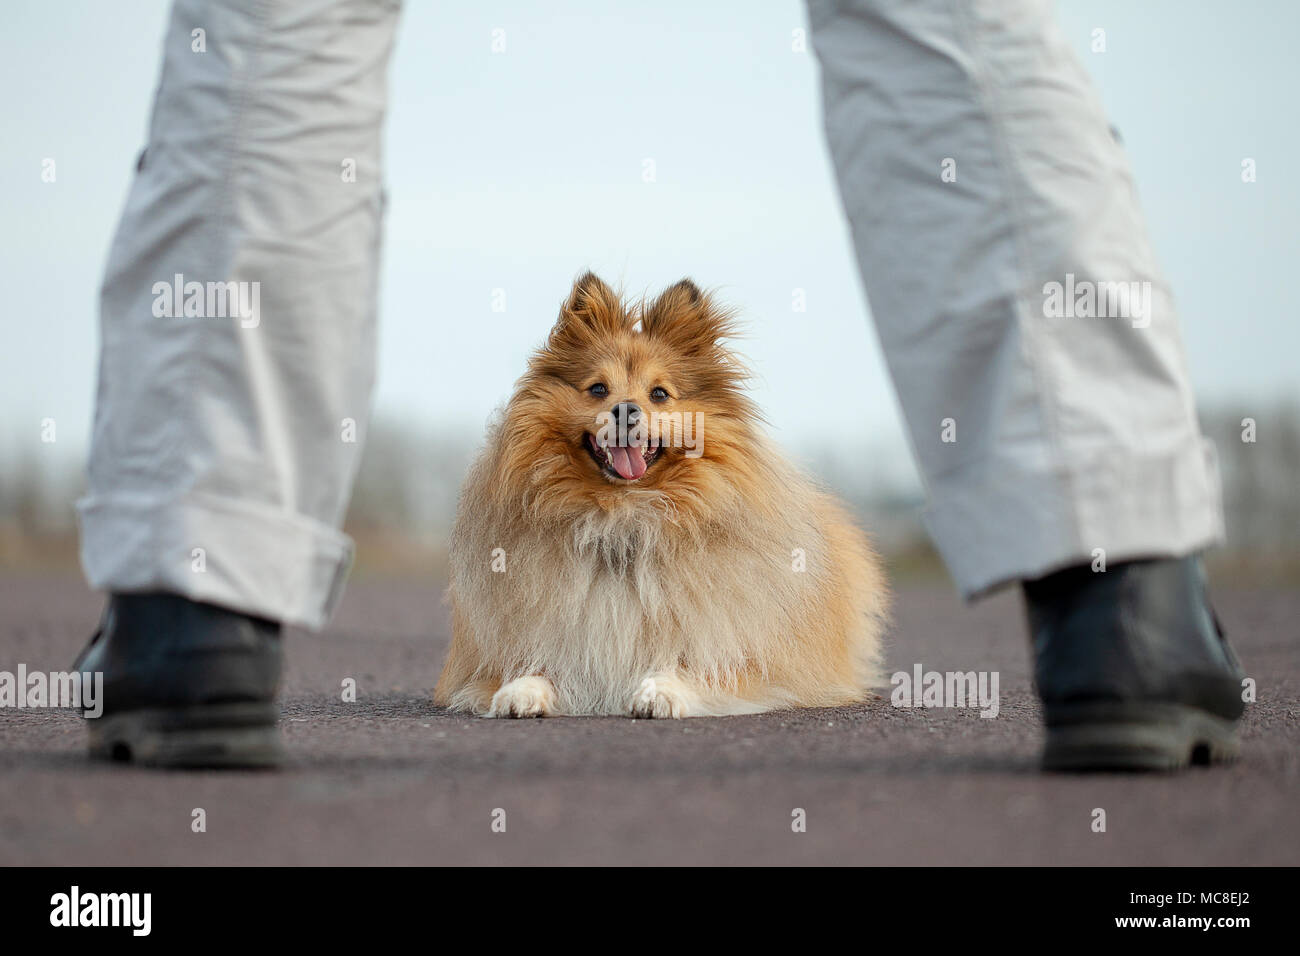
x=627, y=414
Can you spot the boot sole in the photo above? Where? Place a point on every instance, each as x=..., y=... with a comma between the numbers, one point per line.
x=201, y=736
x=1127, y=736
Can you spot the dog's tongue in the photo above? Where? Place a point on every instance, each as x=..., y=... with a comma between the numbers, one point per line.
x=628, y=462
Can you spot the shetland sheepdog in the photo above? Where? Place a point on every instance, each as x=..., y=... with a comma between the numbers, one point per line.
x=629, y=542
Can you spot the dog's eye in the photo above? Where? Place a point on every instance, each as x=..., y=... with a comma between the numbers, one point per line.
x=659, y=394
x=599, y=390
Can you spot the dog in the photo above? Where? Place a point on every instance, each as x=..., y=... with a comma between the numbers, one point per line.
x=628, y=541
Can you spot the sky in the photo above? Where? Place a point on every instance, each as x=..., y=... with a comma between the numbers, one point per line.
x=517, y=170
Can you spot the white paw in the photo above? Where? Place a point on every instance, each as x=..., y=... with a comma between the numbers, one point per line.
x=660, y=697
x=523, y=697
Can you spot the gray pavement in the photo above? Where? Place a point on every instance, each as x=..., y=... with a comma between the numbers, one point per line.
x=393, y=779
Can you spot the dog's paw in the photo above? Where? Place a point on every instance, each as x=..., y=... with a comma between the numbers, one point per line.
x=523, y=697
x=662, y=696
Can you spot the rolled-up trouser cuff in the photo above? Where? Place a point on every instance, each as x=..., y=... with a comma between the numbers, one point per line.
x=240, y=555
x=1005, y=526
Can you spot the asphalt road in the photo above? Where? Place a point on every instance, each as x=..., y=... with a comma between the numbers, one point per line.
x=390, y=779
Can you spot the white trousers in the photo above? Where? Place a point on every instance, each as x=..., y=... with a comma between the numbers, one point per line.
x=979, y=174
x=229, y=427
x=238, y=309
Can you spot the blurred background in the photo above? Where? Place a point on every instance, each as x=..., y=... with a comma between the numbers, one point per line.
x=528, y=142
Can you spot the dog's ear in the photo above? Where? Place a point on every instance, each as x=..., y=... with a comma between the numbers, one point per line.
x=591, y=306
x=686, y=318
x=686, y=292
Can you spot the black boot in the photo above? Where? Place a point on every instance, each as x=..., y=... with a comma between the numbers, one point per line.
x=185, y=684
x=1132, y=667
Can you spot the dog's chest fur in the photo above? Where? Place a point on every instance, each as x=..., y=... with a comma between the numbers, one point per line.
x=609, y=603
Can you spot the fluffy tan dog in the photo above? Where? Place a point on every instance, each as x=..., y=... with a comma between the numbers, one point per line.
x=628, y=542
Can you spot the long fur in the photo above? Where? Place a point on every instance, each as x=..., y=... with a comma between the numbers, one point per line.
x=681, y=594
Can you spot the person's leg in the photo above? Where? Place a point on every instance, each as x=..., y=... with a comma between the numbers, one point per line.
x=238, y=321
x=225, y=445
x=1066, y=434
x=990, y=206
